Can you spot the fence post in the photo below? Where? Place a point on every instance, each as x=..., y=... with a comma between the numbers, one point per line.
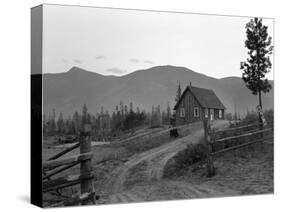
x=86, y=186
x=210, y=164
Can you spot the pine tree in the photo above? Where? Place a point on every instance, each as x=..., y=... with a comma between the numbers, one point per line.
x=68, y=129
x=60, y=124
x=152, y=117
x=84, y=114
x=126, y=110
x=159, y=117
x=113, y=120
x=131, y=107
x=122, y=108
x=49, y=124
x=102, y=110
x=178, y=95
x=53, y=122
x=258, y=64
x=138, y=110
x=168, y=115
x=76, y=122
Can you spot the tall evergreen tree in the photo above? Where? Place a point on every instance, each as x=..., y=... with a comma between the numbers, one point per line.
x=53, y=122
x=168, y=111
x=178, y=95
x=102, y=111
x=258, y=64
x=60, y=124
x=131, y=107
x=159, y=117
x=68, y=127
x=126, y=110
x=138, y=110
x=122, y=108
x=84, y=114
x=76, y=122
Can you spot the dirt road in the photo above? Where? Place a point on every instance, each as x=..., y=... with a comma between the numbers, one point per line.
x=151, y=163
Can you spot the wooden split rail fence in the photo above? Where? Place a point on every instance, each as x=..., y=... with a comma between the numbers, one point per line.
x=221, y=141
x=55, y=165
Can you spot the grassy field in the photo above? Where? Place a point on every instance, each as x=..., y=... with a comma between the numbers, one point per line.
x=245, y=171
x=241, y=172
x=107, y=157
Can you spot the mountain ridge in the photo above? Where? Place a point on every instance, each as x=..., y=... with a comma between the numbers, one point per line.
x=67, y=91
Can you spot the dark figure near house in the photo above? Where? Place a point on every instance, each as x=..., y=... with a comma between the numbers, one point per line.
x=174, y=133
x=196, y=104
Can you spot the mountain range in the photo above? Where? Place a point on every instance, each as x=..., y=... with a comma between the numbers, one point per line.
x=66, y=92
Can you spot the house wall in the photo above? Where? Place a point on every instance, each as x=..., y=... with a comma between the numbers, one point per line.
x=203, y=109
x=217, y=114
x=188, y=103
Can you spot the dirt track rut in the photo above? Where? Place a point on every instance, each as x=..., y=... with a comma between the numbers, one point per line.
x=155, y=160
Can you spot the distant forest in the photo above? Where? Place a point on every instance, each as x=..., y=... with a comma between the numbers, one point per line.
x=103, y=124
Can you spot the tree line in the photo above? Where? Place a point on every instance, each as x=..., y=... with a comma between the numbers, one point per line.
x=124, y=118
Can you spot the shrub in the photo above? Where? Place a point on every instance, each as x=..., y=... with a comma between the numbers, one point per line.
x=269, y=115
x=251, y=117
x=184, y=159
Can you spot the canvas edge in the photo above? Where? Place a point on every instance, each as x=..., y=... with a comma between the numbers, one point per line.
x=36, y=106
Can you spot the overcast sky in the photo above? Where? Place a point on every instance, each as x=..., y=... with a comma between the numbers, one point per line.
x=118, y=42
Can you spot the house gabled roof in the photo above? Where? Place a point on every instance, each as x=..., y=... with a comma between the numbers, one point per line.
x=206, y=98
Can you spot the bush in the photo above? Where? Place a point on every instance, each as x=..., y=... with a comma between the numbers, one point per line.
x=251, y=117
x=184, y=159
x=269, y=115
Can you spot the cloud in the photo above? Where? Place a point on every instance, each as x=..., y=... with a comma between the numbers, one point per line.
x=100, y=57
x=133, y=60
x=116, y=71
x=78, y=61
x=148, y=61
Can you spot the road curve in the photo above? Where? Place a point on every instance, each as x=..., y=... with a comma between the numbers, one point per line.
x=156, y=160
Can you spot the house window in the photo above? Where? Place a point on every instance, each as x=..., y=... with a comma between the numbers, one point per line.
x=196, y=111
x=206, y=113
x=182, y=112
x=220, y=114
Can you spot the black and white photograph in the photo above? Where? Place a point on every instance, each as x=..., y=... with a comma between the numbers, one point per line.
x=145, y=105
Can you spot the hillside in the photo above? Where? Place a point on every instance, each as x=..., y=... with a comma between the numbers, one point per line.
x=67, y=91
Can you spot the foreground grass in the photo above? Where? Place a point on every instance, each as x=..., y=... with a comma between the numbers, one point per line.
x=107, y=157
x=248, y=171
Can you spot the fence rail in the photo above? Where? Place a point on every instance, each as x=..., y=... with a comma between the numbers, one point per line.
x=236, y=128
x=66, y=161
x=65, y=181
x=57, y=171
x=230, y=143
x=73, y=200
x=241, y=136
x=55, y=165
x=64, y=151
x=237, y=146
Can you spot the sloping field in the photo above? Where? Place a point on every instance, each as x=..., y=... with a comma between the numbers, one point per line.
x=152, y=162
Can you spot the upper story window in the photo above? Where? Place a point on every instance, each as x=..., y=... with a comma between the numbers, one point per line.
x=220, y=114
x=206, y=113
x=196, y=111
x=182, y=112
